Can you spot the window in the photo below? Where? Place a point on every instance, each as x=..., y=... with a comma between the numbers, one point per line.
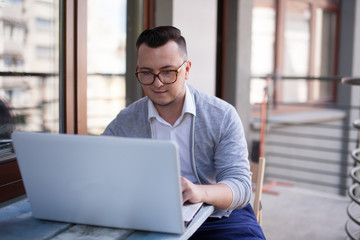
x=105, y=62
x=262, y=49
x=295, y=40
x=296, y=55
x=43, y=51
x=29, y=81
x=32, y=98
x=43, y=24
x=324, y=56
x=45, y=1
x=43, y=72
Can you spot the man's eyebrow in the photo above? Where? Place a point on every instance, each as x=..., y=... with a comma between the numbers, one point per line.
x=145, y=68
x=167, y=66
x=150, y=69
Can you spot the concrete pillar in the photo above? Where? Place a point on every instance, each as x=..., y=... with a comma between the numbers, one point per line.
x=349, y=65
x=238, y=55
x=163, y=12
x=238, y=52
x=349, y=56
x=133, y=29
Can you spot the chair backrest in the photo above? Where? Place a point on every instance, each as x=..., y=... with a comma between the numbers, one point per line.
x=258, y=170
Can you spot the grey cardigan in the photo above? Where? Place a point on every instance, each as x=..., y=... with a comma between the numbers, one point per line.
x=219, y=149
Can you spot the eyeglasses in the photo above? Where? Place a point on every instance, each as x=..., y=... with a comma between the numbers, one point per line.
x=165, y=76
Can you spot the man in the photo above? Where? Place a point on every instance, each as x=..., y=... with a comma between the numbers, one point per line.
x=208, y=131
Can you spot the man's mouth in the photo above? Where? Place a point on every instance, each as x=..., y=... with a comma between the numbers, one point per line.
x=159, y=91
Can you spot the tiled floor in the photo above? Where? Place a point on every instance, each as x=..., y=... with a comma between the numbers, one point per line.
x=299, y=213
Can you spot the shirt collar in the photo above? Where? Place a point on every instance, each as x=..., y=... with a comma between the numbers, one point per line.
x=189, y=106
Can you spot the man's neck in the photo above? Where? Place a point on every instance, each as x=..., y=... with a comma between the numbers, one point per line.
x=170, y=113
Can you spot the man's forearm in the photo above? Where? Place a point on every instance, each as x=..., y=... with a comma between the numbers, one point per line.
x=219, y=195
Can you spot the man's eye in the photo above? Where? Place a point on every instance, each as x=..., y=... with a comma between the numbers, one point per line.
x=167, y=72
x=145, y=74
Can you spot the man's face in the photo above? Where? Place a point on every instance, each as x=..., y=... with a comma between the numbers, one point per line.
x=166, y=57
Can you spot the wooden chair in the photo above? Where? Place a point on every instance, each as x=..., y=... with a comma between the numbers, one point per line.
x=258, y=170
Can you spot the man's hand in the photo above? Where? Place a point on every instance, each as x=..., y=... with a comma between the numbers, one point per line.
x=220, y=195
x=191, y=193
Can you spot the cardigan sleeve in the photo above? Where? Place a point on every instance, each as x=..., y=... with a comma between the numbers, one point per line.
x=231, y=160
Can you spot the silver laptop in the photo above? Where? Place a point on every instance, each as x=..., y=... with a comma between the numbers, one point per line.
x=105, y=181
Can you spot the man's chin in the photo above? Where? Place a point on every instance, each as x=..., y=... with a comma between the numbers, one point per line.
x=162, y=104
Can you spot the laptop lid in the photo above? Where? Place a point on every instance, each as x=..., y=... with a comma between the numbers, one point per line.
x=98, y=180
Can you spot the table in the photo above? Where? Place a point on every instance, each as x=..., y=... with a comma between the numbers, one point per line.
x=16, y=222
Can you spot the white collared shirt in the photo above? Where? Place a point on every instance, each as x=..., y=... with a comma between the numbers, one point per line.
x=179, y=132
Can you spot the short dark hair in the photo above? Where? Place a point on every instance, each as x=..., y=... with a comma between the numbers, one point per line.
x=159, y=36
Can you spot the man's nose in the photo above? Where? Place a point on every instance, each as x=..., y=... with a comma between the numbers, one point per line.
x=157, y=82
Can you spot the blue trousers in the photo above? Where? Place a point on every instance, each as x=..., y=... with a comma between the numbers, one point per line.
x=241, y=224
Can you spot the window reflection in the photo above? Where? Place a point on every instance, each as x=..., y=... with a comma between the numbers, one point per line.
x=296, y=51
x=262, y=50
x=29, y=84
x=324, y=54
x=105, y=62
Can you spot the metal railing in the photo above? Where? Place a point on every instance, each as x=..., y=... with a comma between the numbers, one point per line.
x=308, y=151
x=35, y=112
x=352, y=226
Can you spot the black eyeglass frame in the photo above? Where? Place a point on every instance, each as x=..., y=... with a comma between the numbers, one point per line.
x=158, y=75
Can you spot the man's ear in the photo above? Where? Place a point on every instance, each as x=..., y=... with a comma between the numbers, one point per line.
x=187, y=70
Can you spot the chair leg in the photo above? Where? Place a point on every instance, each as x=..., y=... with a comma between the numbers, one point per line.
x=260, y=218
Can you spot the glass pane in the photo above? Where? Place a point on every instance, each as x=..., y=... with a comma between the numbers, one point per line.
x=296, y=50
x=29, y=60
x=262, y=50
x=324, y=53
x=105, y=62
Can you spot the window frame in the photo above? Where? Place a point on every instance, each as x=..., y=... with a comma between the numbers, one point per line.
x=280, y=9
x=72, y=87
x=73, y=78
x=73, y=67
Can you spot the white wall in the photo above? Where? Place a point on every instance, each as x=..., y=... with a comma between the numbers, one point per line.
x=197, y=21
